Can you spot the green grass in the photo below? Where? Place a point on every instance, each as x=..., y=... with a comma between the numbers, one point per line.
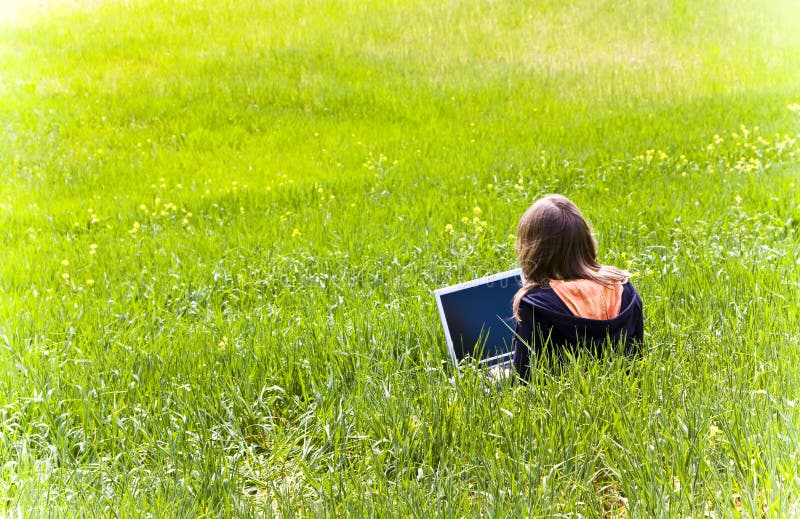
x=222, y=223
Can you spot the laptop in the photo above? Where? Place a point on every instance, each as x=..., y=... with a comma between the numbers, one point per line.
x=477, y=318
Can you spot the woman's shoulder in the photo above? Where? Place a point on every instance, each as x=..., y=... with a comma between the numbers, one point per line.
x=543, y=297
x=629, y=292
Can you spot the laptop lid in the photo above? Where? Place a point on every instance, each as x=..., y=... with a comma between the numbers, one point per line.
x=477, y=317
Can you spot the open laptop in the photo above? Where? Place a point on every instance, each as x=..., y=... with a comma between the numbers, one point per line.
x=477, y=317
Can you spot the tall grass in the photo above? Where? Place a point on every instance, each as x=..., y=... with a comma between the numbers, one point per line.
x=222, y=223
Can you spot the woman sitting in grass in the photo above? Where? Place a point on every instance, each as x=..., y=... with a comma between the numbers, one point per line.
x=568, y=300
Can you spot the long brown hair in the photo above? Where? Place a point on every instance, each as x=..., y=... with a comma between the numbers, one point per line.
x=554, y=241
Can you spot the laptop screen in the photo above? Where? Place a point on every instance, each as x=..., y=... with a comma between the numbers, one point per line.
x=477, y=317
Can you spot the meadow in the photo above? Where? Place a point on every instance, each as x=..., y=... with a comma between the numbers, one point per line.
x=221, y=224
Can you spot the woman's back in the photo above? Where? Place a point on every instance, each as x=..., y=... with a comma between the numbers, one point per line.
x=549, y=324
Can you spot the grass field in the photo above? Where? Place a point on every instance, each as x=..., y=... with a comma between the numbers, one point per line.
x=221, y=224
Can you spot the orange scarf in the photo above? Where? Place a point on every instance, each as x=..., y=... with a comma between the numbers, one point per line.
x=588, y=298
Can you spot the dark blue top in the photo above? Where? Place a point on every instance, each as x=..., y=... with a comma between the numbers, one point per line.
x=547, y=325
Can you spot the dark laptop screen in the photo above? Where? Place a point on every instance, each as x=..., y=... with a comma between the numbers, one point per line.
x=479, y=318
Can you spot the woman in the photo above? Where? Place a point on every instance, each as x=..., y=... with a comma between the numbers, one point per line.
x=568, y=300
